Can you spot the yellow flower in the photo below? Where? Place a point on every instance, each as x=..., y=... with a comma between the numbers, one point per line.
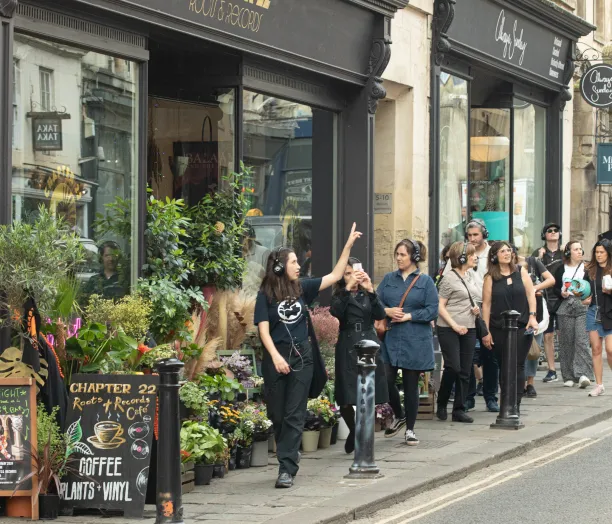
x=219, y=227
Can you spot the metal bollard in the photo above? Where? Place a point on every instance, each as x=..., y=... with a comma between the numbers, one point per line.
x=508, y=417
x=364, y=466
x=169, y=486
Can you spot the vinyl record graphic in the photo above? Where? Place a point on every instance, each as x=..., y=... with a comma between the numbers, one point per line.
x=139, y=449
x=142, y=480
x=138, y=430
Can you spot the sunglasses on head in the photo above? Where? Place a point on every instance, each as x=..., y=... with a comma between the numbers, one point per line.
x=552, y=230
x=604, y=242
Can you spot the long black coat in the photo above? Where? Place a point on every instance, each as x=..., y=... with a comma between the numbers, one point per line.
x=351, y=309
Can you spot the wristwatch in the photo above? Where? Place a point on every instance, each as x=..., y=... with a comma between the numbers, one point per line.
x=532, y=314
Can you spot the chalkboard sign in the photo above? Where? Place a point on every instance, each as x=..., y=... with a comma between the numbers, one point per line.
x=110, y=433
x=18, y=439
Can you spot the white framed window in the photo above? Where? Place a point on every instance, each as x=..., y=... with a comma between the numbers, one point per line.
x=46, y=89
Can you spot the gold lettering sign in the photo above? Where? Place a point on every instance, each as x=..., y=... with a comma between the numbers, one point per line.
x=235, y=13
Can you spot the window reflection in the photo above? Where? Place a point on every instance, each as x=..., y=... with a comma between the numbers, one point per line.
x=74, y=148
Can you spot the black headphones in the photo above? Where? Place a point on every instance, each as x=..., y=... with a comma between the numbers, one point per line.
x=463, y=256
x=480, y=223
x=567, y=252
x=416, y=251
x=550, y=224
x=278, y=268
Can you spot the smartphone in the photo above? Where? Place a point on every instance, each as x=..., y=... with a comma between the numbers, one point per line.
x=529, y=331
x=358, y=266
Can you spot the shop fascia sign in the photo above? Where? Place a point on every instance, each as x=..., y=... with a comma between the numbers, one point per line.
x=47, y=133
x=509, y=38
x=604, y=163
x=596, y=86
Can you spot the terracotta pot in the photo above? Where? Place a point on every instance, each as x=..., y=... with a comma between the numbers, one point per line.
x=310, y=441
x=325, y=438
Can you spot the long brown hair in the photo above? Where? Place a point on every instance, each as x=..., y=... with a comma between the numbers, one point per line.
x=279, y=288
x=593, y=264
x=341, y=284
x=494, y=268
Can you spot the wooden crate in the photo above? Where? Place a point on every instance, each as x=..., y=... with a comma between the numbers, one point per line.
x=427, y=407
x=188, y=477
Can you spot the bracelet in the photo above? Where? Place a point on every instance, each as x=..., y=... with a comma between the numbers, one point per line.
x=532, y=314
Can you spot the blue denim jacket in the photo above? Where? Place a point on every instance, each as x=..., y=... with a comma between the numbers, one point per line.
x=409, y=345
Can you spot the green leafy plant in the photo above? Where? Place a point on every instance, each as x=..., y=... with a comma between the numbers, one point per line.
x=130, y=314
x=47, y=427
x=150, y=356
x=195, y=399
x=220, y=384
x=216, y=233
x=36, y=257
x=201, y=443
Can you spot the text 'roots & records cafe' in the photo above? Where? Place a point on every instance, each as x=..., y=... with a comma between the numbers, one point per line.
x=498, y=94
x=101, y=97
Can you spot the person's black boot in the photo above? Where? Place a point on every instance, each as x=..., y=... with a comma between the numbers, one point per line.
x=349, y=445
x=462, y=416
x=442, y=412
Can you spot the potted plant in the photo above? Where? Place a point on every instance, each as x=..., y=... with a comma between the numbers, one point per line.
x=219, y=385
x=195, y=400
x=384, y=416
x=203, y=445
x=262, y=427
x=243, y=436
x=323, y=409
x=312, y=430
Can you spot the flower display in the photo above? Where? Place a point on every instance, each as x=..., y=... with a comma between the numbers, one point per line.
x=239, y=365
x=326, y=328
x=322, y=408
x=257, y=415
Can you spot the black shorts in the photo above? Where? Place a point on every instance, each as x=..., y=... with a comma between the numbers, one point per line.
x=552, y=324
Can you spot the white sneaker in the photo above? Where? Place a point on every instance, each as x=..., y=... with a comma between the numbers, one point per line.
x=597, y=391
x=411, y=438
x=569, y=383
x=584, y=382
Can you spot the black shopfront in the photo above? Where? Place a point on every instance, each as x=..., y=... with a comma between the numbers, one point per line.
x=502, y=73
x=101, y=97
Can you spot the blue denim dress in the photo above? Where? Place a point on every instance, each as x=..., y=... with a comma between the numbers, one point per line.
x=409, y=345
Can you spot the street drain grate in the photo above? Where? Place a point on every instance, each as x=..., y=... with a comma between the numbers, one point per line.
x=429, y=444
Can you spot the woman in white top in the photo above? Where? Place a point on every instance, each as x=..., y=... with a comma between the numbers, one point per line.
x=576, y=361
x=456, y=329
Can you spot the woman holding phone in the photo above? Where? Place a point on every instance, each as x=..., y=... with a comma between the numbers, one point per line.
x=356, y=305
x=508, y=287
x=281, y=316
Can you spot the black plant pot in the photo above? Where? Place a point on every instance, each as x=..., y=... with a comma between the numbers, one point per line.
x=243, y=457
x=334, y=436
x=232, y=458
x=48, y=507
x=203, y=474
x=218, y=471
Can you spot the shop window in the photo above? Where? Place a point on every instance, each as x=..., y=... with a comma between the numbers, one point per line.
x=529, y=197
x=454, y=119
x=77, y=153
x=490, y=169
x=16, y=103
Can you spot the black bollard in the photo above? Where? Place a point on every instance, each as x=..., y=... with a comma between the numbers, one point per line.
x=169, y=486
x=364, y=466
x=508, y=417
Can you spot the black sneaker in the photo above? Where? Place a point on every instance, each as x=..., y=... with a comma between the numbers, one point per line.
x=442, y=413
x=462, y=416
x=470, y=404
x=480, y=388
x=492, y=406
x=284, y=480
x=349, y=445
x=530, y=391
x=395, y=428
x=551, y=376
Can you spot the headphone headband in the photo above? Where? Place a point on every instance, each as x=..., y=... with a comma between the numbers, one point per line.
x=416, y=251
x=477, y=222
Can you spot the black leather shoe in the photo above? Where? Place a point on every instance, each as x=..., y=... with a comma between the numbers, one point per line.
x=442, y=413
x=462, y=416
x=349, y=445
x=284, y=480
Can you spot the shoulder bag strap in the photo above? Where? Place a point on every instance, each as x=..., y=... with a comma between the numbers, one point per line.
x=466, y=288
x=401, y=304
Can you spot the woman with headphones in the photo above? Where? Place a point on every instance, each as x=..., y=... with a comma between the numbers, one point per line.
x=599, y=315
x=410, y=300
x=356, y=305
x=574, y=354
x=281, y=316
x=507, y=286
x=457, y=329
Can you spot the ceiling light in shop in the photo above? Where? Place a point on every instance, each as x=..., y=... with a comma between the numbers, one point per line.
x=489, y=148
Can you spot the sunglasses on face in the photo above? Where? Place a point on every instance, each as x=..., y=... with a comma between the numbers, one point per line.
x=552, y=230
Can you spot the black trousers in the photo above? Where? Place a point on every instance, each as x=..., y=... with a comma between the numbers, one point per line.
x=458, y=353
x=410, y=381
x=286, y=398
x=500, y=346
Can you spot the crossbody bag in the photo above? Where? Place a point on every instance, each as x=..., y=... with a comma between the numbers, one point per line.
x=381, y=326
x=481, y=326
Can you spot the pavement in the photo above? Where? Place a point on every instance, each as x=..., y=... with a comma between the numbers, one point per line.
x=447, y=452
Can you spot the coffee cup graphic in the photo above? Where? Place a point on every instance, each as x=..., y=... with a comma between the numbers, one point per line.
x=107, y=435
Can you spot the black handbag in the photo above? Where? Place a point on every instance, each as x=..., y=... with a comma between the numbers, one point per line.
x=481, y=326
x=319, y=373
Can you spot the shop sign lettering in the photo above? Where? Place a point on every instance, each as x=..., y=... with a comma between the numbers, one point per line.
x=248, y=17
x=596, y=85
x=47, y=134
x=510, y=40
x=604, y=163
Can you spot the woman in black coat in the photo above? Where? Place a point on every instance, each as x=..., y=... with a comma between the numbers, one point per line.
x=356, y=305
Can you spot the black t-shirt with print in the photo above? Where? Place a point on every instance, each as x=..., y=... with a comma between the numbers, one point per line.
x=287, y=320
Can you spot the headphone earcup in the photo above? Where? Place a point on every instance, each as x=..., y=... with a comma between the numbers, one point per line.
x=278, y=268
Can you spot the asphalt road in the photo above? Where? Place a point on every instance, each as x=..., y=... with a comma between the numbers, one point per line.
x=565, y=481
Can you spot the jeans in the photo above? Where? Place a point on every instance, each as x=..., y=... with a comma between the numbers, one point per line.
x=410, y=381
x=531, y=366
x=490, y=374
x=286, y=397
x=458, y=353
